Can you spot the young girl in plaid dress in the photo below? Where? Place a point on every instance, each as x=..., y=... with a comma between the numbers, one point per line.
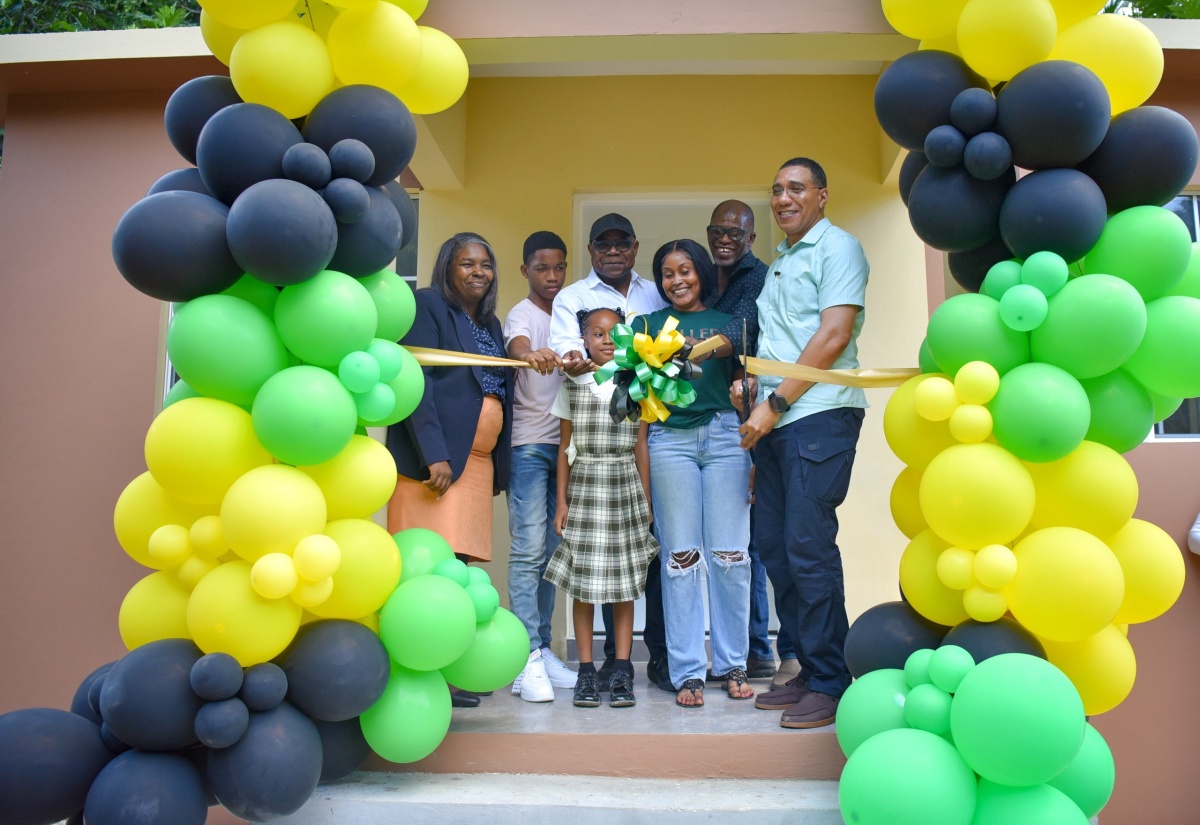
x=603, y=514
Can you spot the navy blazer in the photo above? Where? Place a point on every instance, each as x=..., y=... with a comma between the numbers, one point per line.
x=442, y=427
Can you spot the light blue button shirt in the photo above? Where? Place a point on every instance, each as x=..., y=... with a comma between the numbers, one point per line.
x=825, y=268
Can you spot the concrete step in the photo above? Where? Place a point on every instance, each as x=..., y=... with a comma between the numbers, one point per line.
x=366, y=798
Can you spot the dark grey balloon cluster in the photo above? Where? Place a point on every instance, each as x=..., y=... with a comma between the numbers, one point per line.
x=269, y=198
x=966, y=143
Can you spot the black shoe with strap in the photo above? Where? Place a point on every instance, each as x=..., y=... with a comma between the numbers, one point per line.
x=605, y=673
x=621, y=689
x=587, y=690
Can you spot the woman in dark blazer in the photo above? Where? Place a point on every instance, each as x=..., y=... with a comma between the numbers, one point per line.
x=452, y=453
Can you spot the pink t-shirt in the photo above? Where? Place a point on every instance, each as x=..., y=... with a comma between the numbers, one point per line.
x=533, y=422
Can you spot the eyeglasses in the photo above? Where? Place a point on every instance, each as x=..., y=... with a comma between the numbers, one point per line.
x=794, y=189
x=623, y=245
x=734, y=234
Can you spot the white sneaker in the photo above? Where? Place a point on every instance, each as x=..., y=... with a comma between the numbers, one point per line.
x=516, y=688
x=535, y=684
x=560, y=675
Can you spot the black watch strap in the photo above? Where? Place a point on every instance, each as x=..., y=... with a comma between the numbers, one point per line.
x=778, y=403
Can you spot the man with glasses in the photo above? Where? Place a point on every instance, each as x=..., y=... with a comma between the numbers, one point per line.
x=810, y=312
x=612, y=284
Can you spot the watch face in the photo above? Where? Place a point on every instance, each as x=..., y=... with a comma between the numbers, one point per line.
x=777, y=403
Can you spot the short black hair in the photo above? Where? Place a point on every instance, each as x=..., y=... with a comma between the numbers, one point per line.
x=814, y=169
x=441, y=274
x=706, y=270
x=583, y=315
x=538, y=241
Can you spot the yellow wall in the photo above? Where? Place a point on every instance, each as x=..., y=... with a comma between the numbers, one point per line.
x=534, y=143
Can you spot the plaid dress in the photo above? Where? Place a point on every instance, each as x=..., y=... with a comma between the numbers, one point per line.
x=606, y=547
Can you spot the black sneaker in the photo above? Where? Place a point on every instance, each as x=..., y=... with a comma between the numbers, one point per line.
x=760, y=668
x=587, y=690
x=621, y=687
x=606, y=671
x=658, y=673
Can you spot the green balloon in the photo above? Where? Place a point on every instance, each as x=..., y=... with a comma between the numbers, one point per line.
x=1148, y=246
x=179, y=391
x=375, y=404
x=421, y=551
x=326, y=318
x=359, y=371
x=1032, y=805
x=304, y=416
x=411, y=718
x=925, y=359
x=486, y=599
x=1094, y=324
x=224, y=348
x=1023, y=307
x=1090, y=777
x=1017, y=720
x=495, y=656
x=1040, y=413
x=427, y=622
x=1122, y=412
x=1046, y=271
x=1002, y=277
x=1164, y=405
x=928, y=708
x=477, y=575
x=916, y=667
x=454, y=570
x=409, y=386
x=906, y=777
x=254, y=291
x=969, y=328
x=1168, y=360
x=873, y=703
x=948, y=666
x=1189, y=284
x=394, y=301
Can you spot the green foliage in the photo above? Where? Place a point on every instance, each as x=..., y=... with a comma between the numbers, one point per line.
x=1178, y=9
x=35, y=16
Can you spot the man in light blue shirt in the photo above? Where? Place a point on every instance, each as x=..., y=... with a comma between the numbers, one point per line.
x=810, y=312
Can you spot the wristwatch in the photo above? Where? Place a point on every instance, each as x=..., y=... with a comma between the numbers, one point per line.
x=778, y=403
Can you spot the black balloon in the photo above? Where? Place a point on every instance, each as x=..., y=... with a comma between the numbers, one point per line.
x=406, y=209
x=954, y=212
x=147, y=700
x=1056, y=210
x=886, y=635
x=48, y=760
x=307, y=164
x=969, y=268
x=914, y=94
x=111, y=740
x=220, y=724
x=172, y=246
x=336, y=669
x=973, y=111
x=352, y=159
x=1147, y=157
x=343, y=748
x=281, y=232
x=1053, y=114
x=372, y=115
x=93, y=696
x=264, y=687
x=216, y=676
x=181, y=180
x=944, y=146
x=347, y=199
x=912, y=165
x=139, y=788
x=987, y=156
x=272, y=770
x=367, y=245
x=191, y=106
x=242, y=145
x=983, y=640
x=79, y=702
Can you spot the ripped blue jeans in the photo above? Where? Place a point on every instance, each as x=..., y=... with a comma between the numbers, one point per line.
x=699, y=482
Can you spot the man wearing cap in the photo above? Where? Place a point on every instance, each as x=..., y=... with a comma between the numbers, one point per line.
x=612, y=284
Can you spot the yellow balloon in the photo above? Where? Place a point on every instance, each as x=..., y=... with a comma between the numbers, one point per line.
x=977, y=494
x=921, y=585
x=154, y=608
x=273, y=576
x=1092, y=488
x=244, y=14
x=1122, y=51
x=269, y=509
x=949, y=43
x=1068, y=584
x=219, y=37
x=225, y=615
x=378, y=45
x=169, y=546
x=197, y=447
x=1153, y=567
x=317, y=557
x=284, y=66
x=351, y=4
x=984, y=605
x=143, y=507
x=1102, y=668
x=956, y=568
x=1070, y=12
x=310, y=594
x=441, y=76
x=207, y=538
x=358, y=481
x=935, y=399
x=923, y=19
x=999, y=38
x=415, y=8
x=971, y=423
x=906, y=502
x=995, y=566
x=317, y=15
x=914, y=440
x=194, y=569
x=976, y=382
x=369, y=572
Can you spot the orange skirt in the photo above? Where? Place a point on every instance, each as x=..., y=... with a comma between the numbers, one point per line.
x=463, y=516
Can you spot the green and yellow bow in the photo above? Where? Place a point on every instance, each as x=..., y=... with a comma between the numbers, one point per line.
x=649, y=372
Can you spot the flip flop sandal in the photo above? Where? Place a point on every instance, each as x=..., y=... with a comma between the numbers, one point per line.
x=696, y=687
x=738, y=677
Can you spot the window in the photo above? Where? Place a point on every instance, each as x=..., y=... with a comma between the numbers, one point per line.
x=1184, y=423
x=406, y=261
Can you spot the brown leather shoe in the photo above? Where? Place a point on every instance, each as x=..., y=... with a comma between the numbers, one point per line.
x=815, y=710
x=784, y=697
x=788, y=670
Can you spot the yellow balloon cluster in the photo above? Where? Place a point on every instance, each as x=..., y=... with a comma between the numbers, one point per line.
x=998, y=38
x=288, y=55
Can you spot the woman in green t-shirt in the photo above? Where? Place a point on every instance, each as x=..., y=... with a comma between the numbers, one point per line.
x=699, y=484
